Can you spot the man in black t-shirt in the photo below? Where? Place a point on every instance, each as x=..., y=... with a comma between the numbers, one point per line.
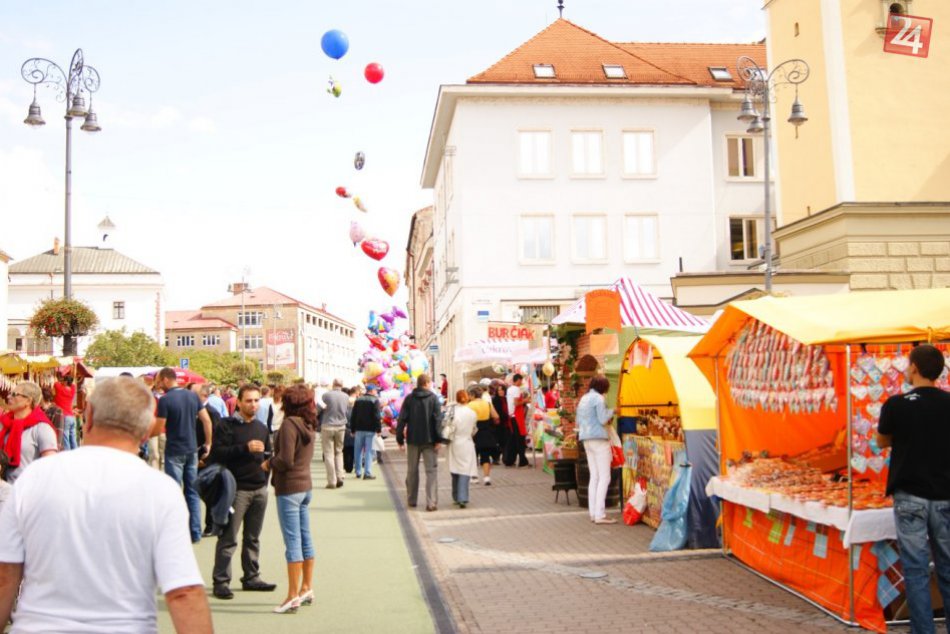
x=916, y=426
x=176, y=414
x=243, y=445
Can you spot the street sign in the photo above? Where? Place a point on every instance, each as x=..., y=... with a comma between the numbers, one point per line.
x=183, y=363
x=482, y=315
x=908, y=35
x=433, y=348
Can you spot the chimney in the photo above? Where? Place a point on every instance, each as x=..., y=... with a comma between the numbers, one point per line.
x=55, y=246
x=238, y=287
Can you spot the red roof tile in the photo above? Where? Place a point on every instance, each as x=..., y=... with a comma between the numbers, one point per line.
x=578, y=57
x=264, y=296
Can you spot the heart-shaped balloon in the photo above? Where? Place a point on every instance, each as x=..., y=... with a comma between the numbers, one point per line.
x=356, y=233
x=388, y=279
x=342, y=193
x=875, y=391
x=376, y=249
x=359, y=204
x=860, y=392
x=883, y=363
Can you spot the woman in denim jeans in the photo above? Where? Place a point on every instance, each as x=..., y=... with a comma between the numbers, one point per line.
x=592, y=418
x=293, y=453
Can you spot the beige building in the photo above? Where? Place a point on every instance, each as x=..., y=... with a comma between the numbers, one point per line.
x=189, y=330
x=280, y=332
x=419, y=280
x=864, y=186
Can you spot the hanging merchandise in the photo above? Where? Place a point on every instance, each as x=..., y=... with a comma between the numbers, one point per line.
x=359, y=160
x=334, y=87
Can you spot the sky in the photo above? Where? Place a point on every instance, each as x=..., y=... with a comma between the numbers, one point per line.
x=220, y=148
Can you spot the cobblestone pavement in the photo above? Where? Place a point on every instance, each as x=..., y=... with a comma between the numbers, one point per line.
x=515, y=560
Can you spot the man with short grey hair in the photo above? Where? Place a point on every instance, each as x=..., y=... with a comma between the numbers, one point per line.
x=77, y=513
x=333, y=432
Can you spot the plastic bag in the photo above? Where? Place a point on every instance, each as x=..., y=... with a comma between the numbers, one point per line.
x=637, y=504
x=672, y=532
x=616, y=448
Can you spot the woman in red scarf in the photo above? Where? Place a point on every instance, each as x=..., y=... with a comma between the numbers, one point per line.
x=25, y=432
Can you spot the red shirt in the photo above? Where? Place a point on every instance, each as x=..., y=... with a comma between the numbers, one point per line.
x=64, y=397
x=550, y=401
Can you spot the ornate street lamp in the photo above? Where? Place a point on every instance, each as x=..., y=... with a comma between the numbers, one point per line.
x=756, y=111
x=70, y=87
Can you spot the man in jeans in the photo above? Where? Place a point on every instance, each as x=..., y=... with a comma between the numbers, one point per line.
x=333, y=432
x=420, y=428
x=243, y=446
x=366, y=423
x=176, y=414
x=916, y=426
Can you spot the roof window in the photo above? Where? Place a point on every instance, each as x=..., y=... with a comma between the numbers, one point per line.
x=544, y=71
x=614, y=71
x=720, y=73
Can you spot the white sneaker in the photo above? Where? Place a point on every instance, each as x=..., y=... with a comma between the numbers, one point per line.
x=486, y=481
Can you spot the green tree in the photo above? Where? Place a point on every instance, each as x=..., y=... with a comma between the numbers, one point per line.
x=116, y=348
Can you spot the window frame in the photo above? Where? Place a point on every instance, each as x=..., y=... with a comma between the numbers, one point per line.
x=242, y=318
x=656, y=234
x=532, y=175
x=575, y=257
x=118, y=310
x=722, y=69
x=603, y=158
x=184, y=341
x=536, y=67
x=623, y=154
x=759, y=236
x=613, y=67
x=756, y=177
x=522, y=260
x=214, y=338
x=256, y=338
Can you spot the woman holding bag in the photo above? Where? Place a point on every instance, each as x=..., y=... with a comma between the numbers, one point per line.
x=459, y=431
x=592, y=420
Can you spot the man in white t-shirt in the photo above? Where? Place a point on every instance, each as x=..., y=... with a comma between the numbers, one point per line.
x=92, y=532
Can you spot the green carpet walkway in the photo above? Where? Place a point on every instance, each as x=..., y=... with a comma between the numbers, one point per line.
x=364, y=580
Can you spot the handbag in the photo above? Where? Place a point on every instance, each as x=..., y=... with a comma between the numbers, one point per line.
x=378, y=444
x=616, y=448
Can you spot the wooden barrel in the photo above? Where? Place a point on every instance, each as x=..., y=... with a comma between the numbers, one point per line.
x=613, y=490
x=565, y=474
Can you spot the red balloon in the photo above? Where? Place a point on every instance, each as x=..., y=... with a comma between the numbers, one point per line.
x=395, y=345
x=342, y=193
x=375, y=248
x=373, y=73
x=404, y=366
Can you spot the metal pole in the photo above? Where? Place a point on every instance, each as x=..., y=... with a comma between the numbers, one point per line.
x=243, y=324
x=68, y=242
x=767, y=178
x=848, y=413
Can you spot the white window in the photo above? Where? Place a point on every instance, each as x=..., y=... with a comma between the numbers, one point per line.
x=638, y=153
x=118, y=310
x=745, y=235
x=587, y=152
x=185, y=341
x=210, y=340
x=720, y=73
x=614, y=71
x=741, y=156
x=544, y=71
x=537, y=238
x=250, y=318
x=641, y=237
x=534, y=153
x=589, y=238
x=253, y=342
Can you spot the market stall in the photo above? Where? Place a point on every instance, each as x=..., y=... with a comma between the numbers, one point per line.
x=669, y=405
x=800, y=383
x=647, y=321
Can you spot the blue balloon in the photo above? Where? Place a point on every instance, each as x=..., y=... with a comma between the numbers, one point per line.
x=335, y=43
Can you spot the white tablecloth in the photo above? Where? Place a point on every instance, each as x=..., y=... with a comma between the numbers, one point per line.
x=870, y=525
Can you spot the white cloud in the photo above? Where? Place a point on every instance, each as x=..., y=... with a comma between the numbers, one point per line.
x=166, y=117
x=204, y=125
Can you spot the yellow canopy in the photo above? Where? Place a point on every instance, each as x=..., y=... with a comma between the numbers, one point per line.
x=862, y=317
x=45, y=361
x=11, y=363
x=673, y=377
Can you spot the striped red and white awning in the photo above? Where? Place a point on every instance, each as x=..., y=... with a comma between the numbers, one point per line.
x=640, y=308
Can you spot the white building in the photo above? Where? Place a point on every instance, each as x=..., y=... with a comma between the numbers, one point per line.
x=574, y=161
x=123, y=293
x=4, y=294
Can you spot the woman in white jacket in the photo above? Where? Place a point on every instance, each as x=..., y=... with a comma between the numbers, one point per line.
x=459, y=431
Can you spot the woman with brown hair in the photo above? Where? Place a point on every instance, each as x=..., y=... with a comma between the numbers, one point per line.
x=293, y=453
x=592, y=419
x=485, y=441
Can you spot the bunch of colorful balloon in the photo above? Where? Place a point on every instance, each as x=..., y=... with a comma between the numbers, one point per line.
x=392, y=363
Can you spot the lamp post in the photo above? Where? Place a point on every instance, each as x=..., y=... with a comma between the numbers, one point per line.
x=69, y=86
x=757, y=112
